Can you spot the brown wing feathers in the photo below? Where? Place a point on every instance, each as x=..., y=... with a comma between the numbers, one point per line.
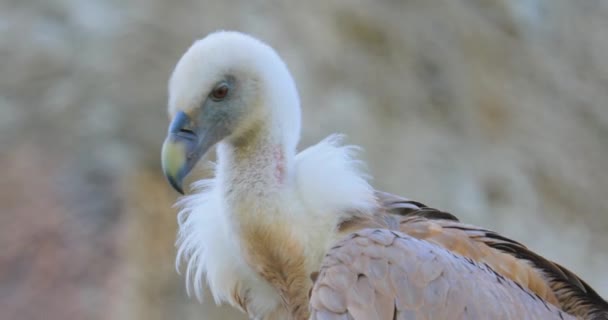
x=549, y=280
x=383, y=274
x=574, y=295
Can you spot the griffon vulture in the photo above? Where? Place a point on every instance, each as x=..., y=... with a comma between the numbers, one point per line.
x=285, y=235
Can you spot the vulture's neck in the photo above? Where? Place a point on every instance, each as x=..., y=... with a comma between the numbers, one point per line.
x=255, y=175
x=255, y=165
x=255, y=170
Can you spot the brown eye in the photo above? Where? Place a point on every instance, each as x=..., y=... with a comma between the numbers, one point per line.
x=220, y=92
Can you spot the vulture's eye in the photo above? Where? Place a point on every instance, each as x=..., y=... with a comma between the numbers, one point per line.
x=219, y=92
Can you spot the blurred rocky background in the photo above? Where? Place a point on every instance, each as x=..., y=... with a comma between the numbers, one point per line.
x=492, y=109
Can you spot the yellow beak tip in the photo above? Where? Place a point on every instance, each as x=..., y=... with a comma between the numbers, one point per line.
x=173, y=157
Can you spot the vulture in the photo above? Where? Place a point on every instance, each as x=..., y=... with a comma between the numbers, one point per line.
x=281, y=234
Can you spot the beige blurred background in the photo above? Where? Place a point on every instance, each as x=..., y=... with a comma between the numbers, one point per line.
x=495, y=110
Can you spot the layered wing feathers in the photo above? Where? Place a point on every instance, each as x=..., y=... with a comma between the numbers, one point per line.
x=382, y=274
x=456, y=265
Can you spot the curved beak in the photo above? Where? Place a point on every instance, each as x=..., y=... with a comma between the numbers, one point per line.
x=185, y=144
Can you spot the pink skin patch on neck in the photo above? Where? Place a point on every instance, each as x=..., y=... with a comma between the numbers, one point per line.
x=279, y=158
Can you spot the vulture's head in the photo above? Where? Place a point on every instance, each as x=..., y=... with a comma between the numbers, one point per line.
x=226, y=85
